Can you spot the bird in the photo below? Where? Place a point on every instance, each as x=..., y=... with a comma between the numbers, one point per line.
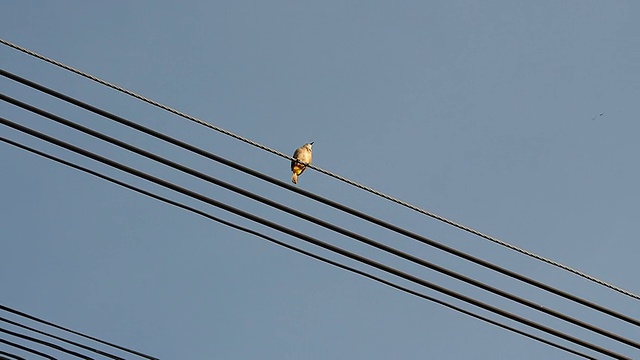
x=302, y=157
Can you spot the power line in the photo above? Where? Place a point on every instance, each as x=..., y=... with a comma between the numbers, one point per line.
x=45, y=322
x=311, y=240
x=12, y=356
x=318, y=198
x=46, y=343
x=319, y=222
x=328, y=173
x=27, y=349
x=293, y=248
x=94, y=350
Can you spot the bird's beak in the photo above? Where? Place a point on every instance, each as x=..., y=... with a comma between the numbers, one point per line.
x=311, y=143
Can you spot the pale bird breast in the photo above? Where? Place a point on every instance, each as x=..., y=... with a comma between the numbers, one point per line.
x=305, y=156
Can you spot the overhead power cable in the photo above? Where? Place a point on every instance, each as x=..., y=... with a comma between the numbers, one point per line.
x=94, y=350
x=293, y=248
x=312, y=240
x=338, y=229
x=10, y=355
x=318, y=198
x=59, y=327
x=319, y=222
x=336, y=176
x=46, y=343
x=27, y=349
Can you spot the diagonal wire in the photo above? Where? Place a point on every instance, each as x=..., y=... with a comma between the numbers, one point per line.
x=94, y=350
x=330, y=226
x=291, y=247
x=27, y=349
x=328, y=173
x=46, y=343
x=284, y=185
x=311, y=240
x=12, y=356
x=45, y=322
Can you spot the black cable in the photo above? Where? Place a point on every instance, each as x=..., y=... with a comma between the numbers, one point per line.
x=319, y=222
x=97, y=351
x=292, y=248
x=45, y=322
x=336, y=176
x=13, y=356
x=24, y=348
x=309, y=239
x=323, y=200
x=46, y=343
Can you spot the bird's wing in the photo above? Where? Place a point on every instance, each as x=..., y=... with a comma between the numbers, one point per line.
x=296, y=155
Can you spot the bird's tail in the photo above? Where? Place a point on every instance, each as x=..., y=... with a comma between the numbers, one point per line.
x=294, y=178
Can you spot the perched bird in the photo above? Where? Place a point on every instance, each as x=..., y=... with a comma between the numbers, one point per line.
x=303, y=157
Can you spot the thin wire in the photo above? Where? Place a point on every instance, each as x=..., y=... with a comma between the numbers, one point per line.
x=13, y=356
x=335, y=228
x=45, y=322
x=310, y=239
x=97, y=351
x=313, y=196
x=24, y=348
x=319, y=222
x=328, y=173
x=46, y=343
x=291, y=247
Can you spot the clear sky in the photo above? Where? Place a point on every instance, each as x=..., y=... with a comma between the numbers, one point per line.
x=517, y=119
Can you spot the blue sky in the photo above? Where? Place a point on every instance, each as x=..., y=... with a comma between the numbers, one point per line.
x=485, y=113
